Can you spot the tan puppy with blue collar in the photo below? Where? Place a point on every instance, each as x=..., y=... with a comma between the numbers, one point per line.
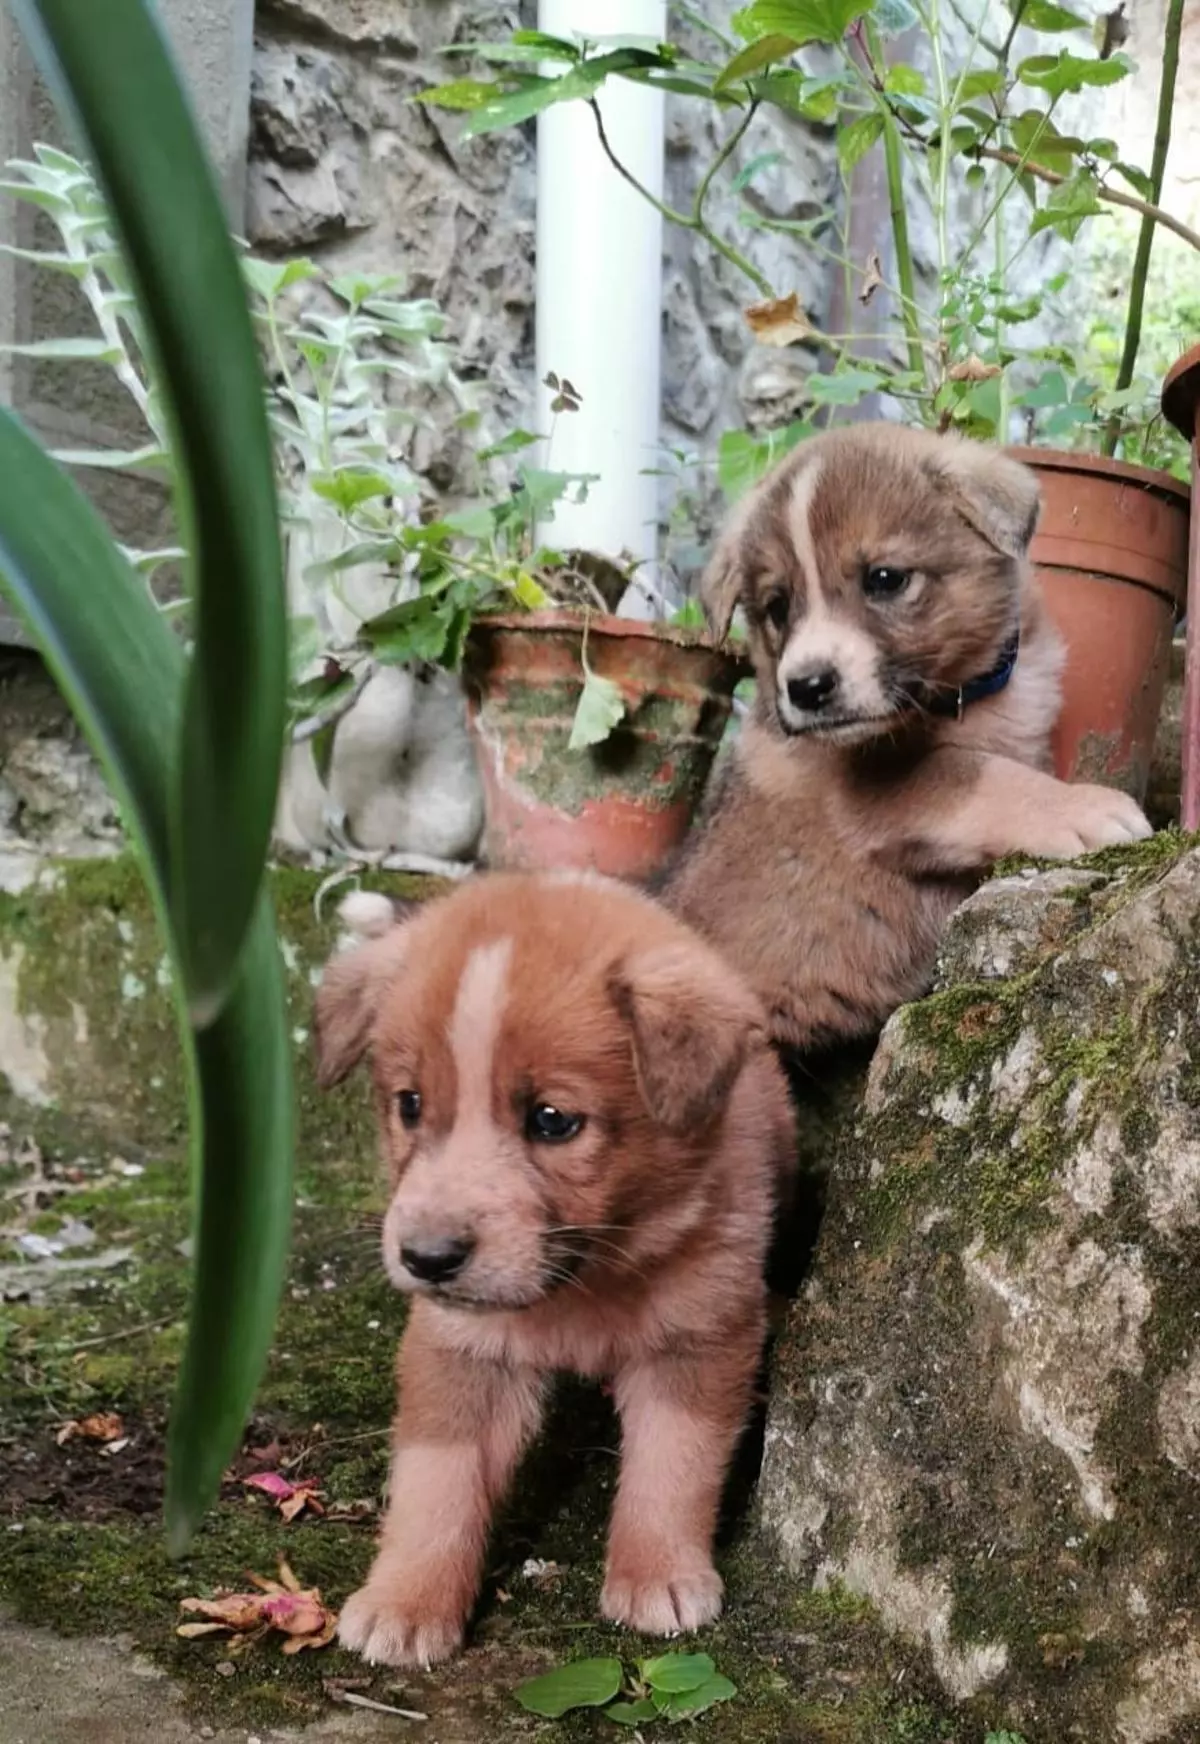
x=908, y=684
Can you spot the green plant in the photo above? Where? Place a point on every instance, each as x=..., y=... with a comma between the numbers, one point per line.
x=669, y=1686
x=191, y=744
x=982, y=131
x=380, y=573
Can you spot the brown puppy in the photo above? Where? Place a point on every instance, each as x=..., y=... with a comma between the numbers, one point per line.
x=908, y=685
x=587, y=1134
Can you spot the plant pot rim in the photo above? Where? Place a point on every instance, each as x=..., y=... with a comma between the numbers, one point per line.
x=1065, y=460
x=572, y=623
x=1181, y=393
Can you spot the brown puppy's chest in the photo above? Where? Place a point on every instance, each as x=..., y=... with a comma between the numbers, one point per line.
x=832, y=939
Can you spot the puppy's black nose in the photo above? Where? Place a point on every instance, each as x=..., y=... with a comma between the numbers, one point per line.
x=437, y=1261
x=813, y=690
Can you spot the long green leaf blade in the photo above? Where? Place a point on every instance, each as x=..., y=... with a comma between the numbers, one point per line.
x=122, y=672
x=244, y=1081
x=112, y=66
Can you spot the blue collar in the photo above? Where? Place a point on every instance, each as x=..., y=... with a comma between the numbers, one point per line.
x=951, y=704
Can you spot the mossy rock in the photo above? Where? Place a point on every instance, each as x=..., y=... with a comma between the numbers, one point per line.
x=986, y=1413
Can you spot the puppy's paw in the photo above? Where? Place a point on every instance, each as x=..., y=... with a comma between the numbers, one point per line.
x=388, y=1627
x=663, y=1601
x=1088, y=818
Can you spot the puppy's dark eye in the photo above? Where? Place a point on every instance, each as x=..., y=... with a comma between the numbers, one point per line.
x=545, y=1124
x=408, y=1106
x=884, y=581
x=775, y=610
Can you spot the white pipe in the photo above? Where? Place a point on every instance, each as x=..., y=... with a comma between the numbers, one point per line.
x=599, y=290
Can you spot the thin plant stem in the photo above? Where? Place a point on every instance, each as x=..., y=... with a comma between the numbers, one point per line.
x=689, y=220
x=894, y=165
x=1141, y=260
x=1003, y=411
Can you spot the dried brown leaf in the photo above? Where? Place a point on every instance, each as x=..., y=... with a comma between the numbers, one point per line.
x=973, y=369
x=872, y=278
x=779, y=321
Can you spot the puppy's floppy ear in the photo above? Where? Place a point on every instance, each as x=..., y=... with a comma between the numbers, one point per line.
x=693, y=1021
x=998, y=496
x=353, y=984
x=722, y=582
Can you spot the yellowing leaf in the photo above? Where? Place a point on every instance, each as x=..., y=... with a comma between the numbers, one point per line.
x=600, y=707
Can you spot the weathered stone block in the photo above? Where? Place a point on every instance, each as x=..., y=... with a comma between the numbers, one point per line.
x=985, y=1418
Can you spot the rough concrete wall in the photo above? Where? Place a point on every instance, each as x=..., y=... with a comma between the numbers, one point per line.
x=345, y=165
x=81, y=406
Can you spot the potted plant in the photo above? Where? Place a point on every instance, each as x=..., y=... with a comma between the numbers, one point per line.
x=593, y=734
x=964, y=123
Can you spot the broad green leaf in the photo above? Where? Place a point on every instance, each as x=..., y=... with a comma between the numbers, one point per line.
x=476, y=522
x=672, y=1673
x=689, y=616
x=632, y=1713
x=892, y=17
x=543, y=489
x=1138, y=180
x=980, y=83
x=533, y=94
x=743, y=459
x=68, y=350
x=358, y=288
x=855, y=141
x=688, y=1703
x=1050, y=390
x=510, y=444
x=553, y=47
x=600, y=707
x=905, y=81
x=270, y=277
x=114, y=68
x=845, y=387
x=529, y=594
x=414, y=631
x=362, y=551
x=1046, y=15
x=1067, y=73
x=585, y=1683
x=352, y=486
x=1068, y=205
x=753, y=58
x=458, y=94
x=514, y=53
x=763, y=160
x=801, y=20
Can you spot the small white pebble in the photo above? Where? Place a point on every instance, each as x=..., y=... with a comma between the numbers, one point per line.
x=367, y=914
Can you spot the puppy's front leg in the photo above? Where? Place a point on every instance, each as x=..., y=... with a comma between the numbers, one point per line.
x=963, y=810
x=680, y=1421
x=461, y=1428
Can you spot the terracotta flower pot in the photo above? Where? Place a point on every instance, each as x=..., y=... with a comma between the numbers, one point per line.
x=618, y=807
x=1111, y=554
